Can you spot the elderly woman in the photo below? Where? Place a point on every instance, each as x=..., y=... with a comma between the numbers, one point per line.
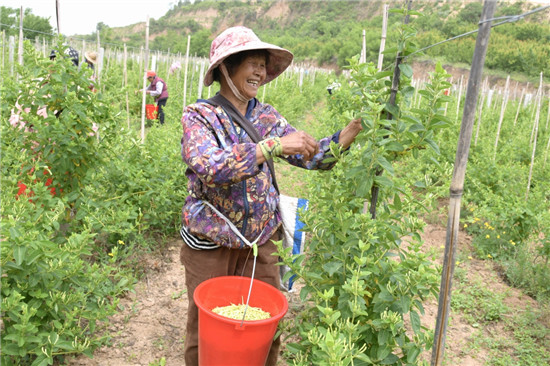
x=228, y=172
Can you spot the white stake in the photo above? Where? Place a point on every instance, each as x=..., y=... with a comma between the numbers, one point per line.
x=144, y=75
x=185, y=73
x=537, y=117
x=383, y=40
x=502, y=109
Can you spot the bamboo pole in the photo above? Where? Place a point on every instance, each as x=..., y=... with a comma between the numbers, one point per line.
x=21, y=39
x=3, y=49
x=125, y=71
x=547, y=115
x=459, y=96
x=58, y=16
x=519, y=106
x=185, y=73
x=479, y=114
x=536, y=110
x=457, y=183
x=144, y=77
x=383, y=40
x=201, y=84
x=537, y=118
x=393, y=95
x=11, y=53
x=502, y=110
x=363, y=57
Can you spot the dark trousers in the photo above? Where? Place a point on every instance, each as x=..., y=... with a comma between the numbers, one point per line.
x=161, y=103
x=201, y=265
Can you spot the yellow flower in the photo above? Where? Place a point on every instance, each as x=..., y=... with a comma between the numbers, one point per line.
x=513, y=243
x=476, y=219
x=472, y=209
x=111, y=254
x=489, y=256
x=457, y=263
x=120, y=242
x=470, y=257
x=442, y=246
x=504, y=232
x=487, y=236
x=465, y=226
x=498, y=236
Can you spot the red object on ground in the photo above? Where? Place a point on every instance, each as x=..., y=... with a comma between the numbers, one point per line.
x=225, y=341
x=151, y=111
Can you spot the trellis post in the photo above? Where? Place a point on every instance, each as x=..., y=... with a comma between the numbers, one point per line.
x=457, y=183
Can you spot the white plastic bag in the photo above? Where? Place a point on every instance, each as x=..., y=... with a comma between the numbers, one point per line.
x=293, y=237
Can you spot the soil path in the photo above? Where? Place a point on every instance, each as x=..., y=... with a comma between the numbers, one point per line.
x=150, y=330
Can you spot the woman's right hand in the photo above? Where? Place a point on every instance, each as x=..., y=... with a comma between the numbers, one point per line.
x=300, y=142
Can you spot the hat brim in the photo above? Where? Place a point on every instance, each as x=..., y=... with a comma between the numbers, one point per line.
x=279, y=60
x=87, y=57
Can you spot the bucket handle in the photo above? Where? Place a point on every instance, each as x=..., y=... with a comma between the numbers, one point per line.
x=253, y=245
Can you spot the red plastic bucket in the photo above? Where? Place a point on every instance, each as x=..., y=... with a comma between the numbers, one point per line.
x=151, y=111
x=223, y=341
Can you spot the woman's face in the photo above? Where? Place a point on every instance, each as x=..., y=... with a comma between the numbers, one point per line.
x=249, y=75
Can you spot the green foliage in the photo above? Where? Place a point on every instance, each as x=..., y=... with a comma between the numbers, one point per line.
x=367, y=283
x=33, y=26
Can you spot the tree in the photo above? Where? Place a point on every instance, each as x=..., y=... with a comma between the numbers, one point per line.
x=33, y=25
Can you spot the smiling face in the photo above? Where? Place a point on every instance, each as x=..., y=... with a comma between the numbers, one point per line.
x=249, y=74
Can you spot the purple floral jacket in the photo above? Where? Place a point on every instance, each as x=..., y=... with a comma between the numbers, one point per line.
x=222, y=170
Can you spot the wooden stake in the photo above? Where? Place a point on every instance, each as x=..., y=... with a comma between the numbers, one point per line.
x=502, y=110
x=479, y=114
x=383, y=40
x=459, y=96
x=58, y=16
x=537, y=117
x=457, y=182
x=20, y=50
x=519, y=106
x=11, y=53
x=363, y=57
x=125, y=71
x=144, y=76
x=185, y=73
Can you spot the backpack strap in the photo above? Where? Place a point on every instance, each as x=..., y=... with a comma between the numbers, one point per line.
x=236, y=116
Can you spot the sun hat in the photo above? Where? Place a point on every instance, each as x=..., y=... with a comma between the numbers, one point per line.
x=91, y=57
x=151, y=73
x=237, y=39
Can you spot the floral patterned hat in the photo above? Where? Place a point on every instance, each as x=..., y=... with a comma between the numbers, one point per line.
x=237, y=39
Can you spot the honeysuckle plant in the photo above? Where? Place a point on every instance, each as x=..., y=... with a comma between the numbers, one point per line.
x=366, y=279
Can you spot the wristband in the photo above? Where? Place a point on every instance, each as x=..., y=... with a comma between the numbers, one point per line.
x=271, y=147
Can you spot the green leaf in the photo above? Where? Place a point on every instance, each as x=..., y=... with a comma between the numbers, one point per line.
x=383, y=181
x=397, y=202
x=406, y=70
x=383, y=337
x=412, y=355
x=431, y=143
x=384, y=163
x=394, y=146
x=19, y=254
x=415, y=321
x=391, y=359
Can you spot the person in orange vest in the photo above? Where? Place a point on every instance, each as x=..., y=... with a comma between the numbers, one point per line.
x=159, y=90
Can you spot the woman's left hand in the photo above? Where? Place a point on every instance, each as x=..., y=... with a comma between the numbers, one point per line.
x=348, y=134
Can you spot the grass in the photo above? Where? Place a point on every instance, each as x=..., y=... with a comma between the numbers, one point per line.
x=509, y=334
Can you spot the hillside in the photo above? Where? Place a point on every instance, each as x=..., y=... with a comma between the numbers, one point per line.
x=327, y=33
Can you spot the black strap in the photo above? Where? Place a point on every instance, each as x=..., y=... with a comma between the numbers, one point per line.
x=237, y=117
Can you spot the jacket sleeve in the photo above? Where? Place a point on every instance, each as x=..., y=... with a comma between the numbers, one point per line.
x=319, y=161
x=212, y=152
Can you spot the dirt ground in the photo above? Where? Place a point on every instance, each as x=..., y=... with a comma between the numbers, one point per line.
x=151, y=325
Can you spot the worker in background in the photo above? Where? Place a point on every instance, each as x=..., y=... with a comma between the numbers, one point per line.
x=159, y=90
x=91, y=60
